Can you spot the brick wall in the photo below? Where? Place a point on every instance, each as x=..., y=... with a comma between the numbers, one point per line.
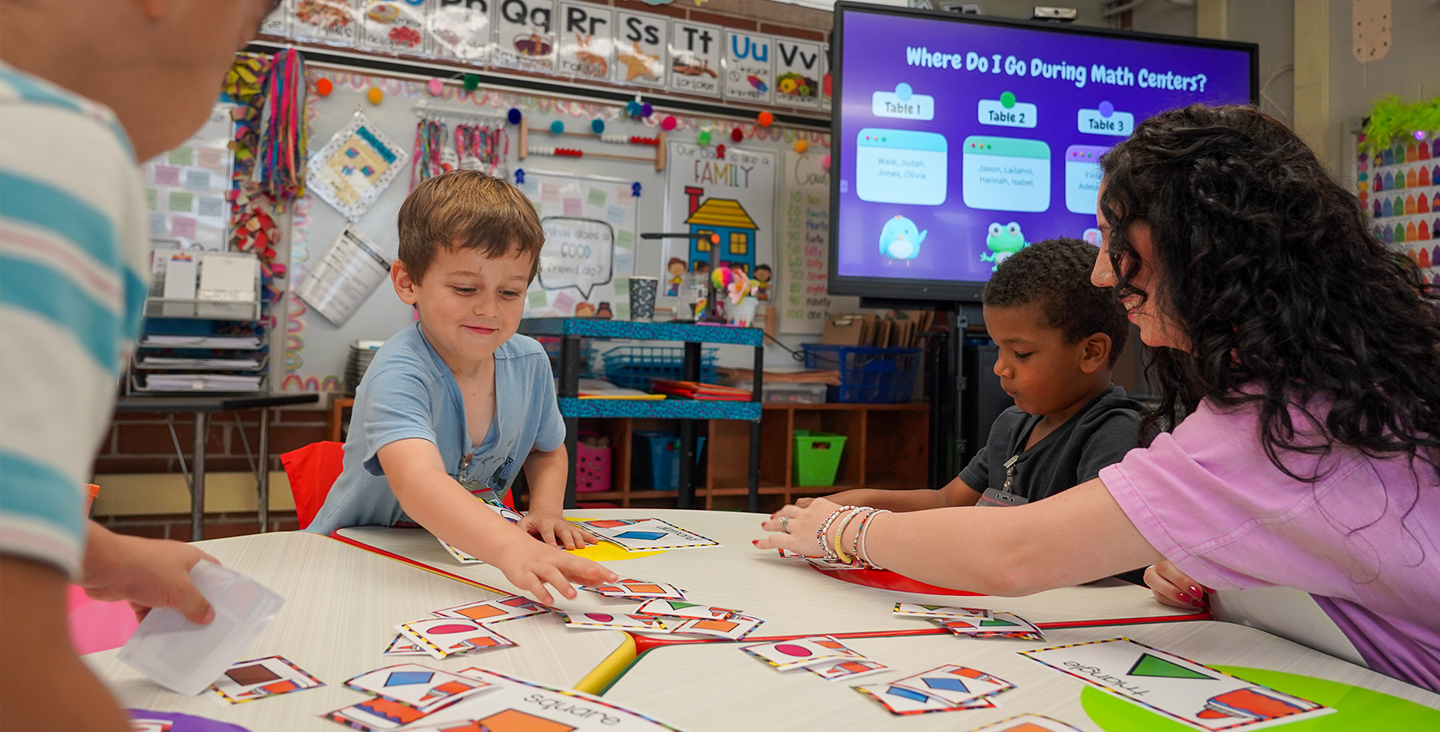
x=141, y=443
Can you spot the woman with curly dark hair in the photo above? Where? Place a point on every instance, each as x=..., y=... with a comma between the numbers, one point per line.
x=1297, y=439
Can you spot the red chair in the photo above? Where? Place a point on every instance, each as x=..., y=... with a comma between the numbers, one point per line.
x=312, y=469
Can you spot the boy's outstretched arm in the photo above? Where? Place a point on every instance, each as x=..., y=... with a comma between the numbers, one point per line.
x=546, y=473
x=433, y=499
x=956, y=493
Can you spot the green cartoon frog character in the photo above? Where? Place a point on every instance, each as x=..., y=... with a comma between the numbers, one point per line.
x=1002, y=242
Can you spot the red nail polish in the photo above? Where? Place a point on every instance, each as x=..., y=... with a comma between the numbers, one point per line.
x=1196, y=591
x=1187, y=599
x=755, y=542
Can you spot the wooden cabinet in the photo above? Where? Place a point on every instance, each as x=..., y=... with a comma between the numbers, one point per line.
x=887, y=446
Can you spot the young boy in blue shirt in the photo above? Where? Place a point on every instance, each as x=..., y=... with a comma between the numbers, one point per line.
x=454, y=406
x=1059, y=337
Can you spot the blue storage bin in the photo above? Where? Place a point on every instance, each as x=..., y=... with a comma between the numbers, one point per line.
x=867, y=375
x=656, y=462
x=632, y=367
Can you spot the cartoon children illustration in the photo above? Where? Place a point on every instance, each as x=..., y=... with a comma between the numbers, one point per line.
x=584, y=310
x=676, y=268
x=603, y=311
x=760, y=283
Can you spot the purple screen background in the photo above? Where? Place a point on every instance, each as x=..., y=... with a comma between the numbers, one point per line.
x=874, y=59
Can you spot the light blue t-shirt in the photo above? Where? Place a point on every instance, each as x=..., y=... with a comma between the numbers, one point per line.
x=409, y=392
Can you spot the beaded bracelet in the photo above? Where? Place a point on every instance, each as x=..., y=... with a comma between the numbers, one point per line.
x=820, y=535
x=840, y=534
x=855, y=545
x=861, y=553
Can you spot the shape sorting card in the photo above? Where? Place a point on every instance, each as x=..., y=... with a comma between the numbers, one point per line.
x=1176, y=687
x=678, y=609
x=641, y=535
x=262, y=677
x=735, y=627
x=460, y=556
x=941, y=611
x=402, y=646
x=612, y=621
x=902, y=702
x=441, y=637
x=509, y=607
x=638, y=589
x=141, y=724
x=846, y=670
x=1027, y=723
x=954, y=684
x=421, y=688
x=1001, y=625
x=792, y=654
x=378, y=715
x=505, y=512
x=830, y=565
x=523, y=706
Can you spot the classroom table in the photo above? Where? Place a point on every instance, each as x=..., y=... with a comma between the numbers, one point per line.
x=201, y=407
x=714, y=687
x=788, y=594
x=341, y=606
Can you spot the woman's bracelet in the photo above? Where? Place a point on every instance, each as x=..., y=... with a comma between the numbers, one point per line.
x=825, y=527
x=862, y=554
x=849, y=560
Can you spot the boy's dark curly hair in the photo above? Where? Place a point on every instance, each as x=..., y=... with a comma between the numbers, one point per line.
x=1055, y=276
x=1286, y=297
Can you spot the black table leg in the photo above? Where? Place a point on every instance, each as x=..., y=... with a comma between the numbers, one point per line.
x=570, y=388
x=685, y=495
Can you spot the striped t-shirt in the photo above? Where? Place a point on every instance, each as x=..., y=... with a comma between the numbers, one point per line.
x=73, y=247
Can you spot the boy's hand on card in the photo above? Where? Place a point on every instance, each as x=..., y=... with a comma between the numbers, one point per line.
x=1173, y=587
x=531, y=565
x=553, y=529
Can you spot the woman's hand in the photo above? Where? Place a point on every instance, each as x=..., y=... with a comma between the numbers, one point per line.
x=1173, y=587
x=795, y=528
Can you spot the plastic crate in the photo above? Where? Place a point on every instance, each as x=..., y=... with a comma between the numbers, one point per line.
x=551, y=344
x=657, y=460
x=817, y=457
x=633, y=367
x=867, y=375
x=785, y=392
x=592, y=467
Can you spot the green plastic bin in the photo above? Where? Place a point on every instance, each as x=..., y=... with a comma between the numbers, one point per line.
x=817, y=457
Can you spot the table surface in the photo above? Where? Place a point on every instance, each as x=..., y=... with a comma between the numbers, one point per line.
x=750, y=695
x=209, y=403
x=792, y=598
x=341, y=608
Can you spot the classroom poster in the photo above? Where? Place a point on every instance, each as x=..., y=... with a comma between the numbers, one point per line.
x=640, y=44
x=525, y=35
x=733, y=197
x=749, y=70
x=695, y=58
x=799, y=70
x=394, y=26
x=461, y=30
x=585, y=47
x=590, y=227
x=185, y=188
x=803, y=299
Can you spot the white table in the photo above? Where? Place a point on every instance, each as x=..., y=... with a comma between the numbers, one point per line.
x=715, y=687
x=341, y=608
x=792, y=598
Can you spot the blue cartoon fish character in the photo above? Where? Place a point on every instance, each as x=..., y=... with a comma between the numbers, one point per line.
x=900, y=239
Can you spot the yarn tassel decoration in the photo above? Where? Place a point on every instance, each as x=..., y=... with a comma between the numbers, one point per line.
x=280, y=171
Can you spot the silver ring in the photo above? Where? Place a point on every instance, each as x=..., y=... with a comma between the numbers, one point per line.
x=785, y=524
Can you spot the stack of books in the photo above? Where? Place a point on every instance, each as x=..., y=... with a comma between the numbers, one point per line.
x=699, y=391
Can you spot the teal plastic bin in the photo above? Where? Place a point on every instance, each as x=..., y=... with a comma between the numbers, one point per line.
x=656, y=463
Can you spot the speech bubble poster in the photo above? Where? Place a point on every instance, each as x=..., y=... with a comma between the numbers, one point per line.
x=732, y=197
x=589, y=252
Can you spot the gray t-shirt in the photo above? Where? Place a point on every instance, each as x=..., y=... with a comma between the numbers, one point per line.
x=1094, y=437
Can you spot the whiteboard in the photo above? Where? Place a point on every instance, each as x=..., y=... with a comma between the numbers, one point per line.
x=315, y=350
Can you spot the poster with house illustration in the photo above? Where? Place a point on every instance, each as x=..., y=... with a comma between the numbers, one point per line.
x=732, y=197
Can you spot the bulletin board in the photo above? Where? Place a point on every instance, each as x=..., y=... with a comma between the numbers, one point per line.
x=615, y=200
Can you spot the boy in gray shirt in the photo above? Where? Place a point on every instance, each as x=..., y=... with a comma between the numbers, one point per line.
x=1059, y=337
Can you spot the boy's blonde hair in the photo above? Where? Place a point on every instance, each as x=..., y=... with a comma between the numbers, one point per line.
x=466, y=209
